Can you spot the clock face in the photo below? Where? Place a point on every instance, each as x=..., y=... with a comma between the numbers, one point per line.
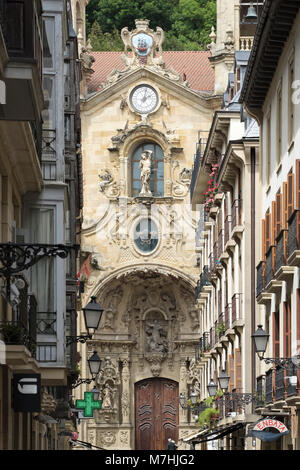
x=143, y=99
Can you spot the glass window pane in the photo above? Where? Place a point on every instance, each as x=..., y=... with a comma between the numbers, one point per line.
x=160, y=188
x=48, y=114
x=48, y=42
x=159, y=153
x=136, y=170
x=160, y=170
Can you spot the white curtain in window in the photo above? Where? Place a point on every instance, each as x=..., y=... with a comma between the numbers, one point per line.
x=42, y=273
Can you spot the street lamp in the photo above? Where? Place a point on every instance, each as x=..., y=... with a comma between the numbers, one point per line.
x=92, y=314
x=96, y=393
x=212, y=388
x=223, y=380
x=94, y=363
x=194, y=398
x=260, y=338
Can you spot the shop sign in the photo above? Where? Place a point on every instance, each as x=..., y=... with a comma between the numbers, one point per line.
x=270, y=423
x=26, y=393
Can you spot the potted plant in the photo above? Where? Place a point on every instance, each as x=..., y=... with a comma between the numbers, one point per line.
x=12, y=333
x=221, y=327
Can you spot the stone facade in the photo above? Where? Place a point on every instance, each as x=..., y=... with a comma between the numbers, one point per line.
x=149, y=326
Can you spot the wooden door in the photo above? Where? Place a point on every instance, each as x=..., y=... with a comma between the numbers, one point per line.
x=156, y=413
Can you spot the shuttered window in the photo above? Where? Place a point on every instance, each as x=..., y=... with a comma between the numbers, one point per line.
x=276, y=335
x=238, y=369
x=263, y=239
x=278, y=213
x=268, y=231
x=273, y=222
x=290, y=194
x=297, y=184
x=231, y=372
x=285, y=206
x=287, y=329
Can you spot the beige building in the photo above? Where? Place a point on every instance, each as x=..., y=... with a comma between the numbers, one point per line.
x=140, y=123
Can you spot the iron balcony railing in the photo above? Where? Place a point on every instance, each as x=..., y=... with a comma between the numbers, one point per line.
x=269, y=386
x=281, y=249
x=290, y=372
x=270, y=263
x=46, y=323
x=200, y=149
x=236, y=307
x=260, y=391
x=293, y=242
x=227, y=315
x=227, y=229
x=203, y=281
x=49, y=154
x=220, y=244
x=279, y=383
x=16, y=333
x=260, y=277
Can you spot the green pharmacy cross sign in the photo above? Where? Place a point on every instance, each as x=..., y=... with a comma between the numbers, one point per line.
x=88, y=405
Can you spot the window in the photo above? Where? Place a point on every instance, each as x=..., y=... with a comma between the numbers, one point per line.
x=42, y=273
x=290, y=101
x=268, y=148
x=157, y=170
x=48, y=42
x=279, y=125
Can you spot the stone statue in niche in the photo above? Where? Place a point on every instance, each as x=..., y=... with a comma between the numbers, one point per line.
x=156, y=337
x=107, y=397
x=145, y=167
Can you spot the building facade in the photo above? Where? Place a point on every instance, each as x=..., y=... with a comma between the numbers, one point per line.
x=275, y=106
x=40, y=131
x=139, y=124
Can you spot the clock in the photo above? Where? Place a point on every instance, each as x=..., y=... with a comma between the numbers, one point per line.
x=143, y=99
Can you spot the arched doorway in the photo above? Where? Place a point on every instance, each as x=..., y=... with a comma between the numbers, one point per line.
x=156, y=413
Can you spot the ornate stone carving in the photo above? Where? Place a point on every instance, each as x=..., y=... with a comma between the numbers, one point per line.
x=125, y=403
x=145, y=167
x=107, y=185
x=156, y=337
x=194, y=315
x=111, y=308
x=146, y=47
x=107, y=438
x=155, y=360
x=183, y=180
x=124, y=437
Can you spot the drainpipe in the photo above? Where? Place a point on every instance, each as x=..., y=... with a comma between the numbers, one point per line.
x=253, y=288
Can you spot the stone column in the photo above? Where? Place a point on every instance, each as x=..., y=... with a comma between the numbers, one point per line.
x=168, y=176
x=125, y=398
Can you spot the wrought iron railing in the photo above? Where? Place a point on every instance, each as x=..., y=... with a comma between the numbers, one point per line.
x=269, y=386
x=293, y=242
x=260, y=391
x=227, y=316
x=220, y=244
x=16, y=333
x=281, y=249
x=200, y=149
x=236, y=307
x=290, y=372
x=203, y=281
x=270, y=263
x=279, y=383
x=260, y=277
x=212, y=262
x=46, y=323
x=227, y=229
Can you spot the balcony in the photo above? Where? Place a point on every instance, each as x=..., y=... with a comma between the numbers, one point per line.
x=227, y=229
x=279, y=384
x=203, y=281
x=17, y=333
x=246, y=43
x=236, y=310
x=293, y=242
x=269, y=387
x=199, y=176
x=260, y=392
x=227, y=319
x=46, y=336
x=281, y=249
x=49, y=154
x=270, y=264
x=260, y=277
x=220, y=247
x=21, y=23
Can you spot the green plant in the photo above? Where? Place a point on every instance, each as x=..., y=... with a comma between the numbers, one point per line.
x=77, y=369
x=207, y=415
x=12, y=333
x=221, y=327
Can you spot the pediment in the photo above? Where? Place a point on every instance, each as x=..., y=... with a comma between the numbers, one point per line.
x=171, y=86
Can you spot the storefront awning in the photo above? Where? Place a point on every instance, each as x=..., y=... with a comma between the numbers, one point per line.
x=207, y=435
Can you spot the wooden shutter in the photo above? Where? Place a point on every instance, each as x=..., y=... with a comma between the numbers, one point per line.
x=273, y=223
x=290, y=194
x=278, y=213
x=287, y=329
x=268, y=231
x=284, y=206
x=297, y=184
x=238, y=370
x=231, y=372
x=263, y=240
x=276, y=335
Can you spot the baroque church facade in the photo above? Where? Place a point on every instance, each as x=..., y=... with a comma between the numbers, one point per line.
x=141, y=119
